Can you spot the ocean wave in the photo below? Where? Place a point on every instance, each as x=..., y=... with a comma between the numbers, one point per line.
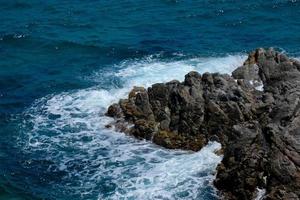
x=153, y=69
x=69, y=130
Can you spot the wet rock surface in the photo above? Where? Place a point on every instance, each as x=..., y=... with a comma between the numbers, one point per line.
x=259, y=130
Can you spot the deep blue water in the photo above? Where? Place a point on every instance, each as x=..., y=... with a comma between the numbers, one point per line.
x=63, y=62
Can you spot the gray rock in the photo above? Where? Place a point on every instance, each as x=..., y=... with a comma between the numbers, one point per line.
x=259, y=130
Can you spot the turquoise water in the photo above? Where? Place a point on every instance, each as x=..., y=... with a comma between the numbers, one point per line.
x=63, y=62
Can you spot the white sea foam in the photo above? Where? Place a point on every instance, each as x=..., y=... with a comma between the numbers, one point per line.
x=68, y=129
x=151, y=70
x=260, y=194
x=260, y=84
x=260, y=87
x=181, y=176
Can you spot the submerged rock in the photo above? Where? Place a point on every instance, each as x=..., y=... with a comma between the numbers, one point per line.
x=259, y=130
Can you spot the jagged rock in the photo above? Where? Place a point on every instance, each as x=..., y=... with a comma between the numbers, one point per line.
x=184, y=115
x=259, y=130
x=275, y=151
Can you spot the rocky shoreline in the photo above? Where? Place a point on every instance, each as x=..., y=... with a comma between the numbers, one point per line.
x=259, y=129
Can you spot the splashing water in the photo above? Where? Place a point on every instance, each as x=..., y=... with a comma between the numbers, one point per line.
x=66, y=132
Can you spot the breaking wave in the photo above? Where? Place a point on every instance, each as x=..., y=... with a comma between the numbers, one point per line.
x=91, y=162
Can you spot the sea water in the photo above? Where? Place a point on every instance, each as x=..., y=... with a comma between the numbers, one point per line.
x=62, y=63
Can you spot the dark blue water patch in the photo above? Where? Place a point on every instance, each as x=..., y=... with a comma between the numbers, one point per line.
x=130, y=23
x=32, y=68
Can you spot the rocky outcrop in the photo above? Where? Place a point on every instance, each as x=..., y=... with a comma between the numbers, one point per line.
x=185, y=115
x=267, y=152
x=259, y=130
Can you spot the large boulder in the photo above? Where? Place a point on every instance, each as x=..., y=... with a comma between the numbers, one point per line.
x=259, y=130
